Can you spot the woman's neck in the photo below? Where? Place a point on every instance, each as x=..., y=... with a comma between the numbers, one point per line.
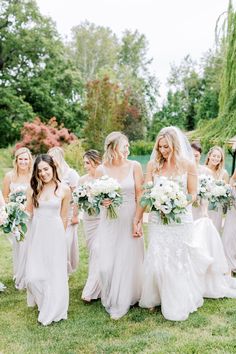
x=117, y=162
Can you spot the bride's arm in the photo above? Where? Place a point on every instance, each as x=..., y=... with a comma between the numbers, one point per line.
x=140, y=210
x=192, y=181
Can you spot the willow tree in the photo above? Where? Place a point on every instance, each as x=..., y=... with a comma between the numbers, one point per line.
x=219, y=130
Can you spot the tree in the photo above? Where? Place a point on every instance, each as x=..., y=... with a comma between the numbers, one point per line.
x=106, y=106
x=92, y=49
x=219, y=130
x=33, y=66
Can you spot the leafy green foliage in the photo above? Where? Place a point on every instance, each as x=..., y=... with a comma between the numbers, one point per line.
x=219, y=130
x=34, y=73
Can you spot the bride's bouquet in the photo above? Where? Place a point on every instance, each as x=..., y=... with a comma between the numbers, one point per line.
x=18, y=196
x=106, y=188
x=166, y=198
x=220, y=195
x=13, y=219
x=82, y=198
x=204, y=188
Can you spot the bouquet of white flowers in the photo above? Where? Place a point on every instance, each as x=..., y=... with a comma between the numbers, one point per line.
x=204, y=188
x=18, y=196
x=220, y=195
x=106, y=188
x=81, y=197
x=166, y=198
x=13, y=219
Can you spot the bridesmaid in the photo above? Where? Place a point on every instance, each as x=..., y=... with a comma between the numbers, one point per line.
x=92, y=288
x=18, y=178
x=229, y=231
x=46, y=268
x=120, y=254
x=215, y=162
x=71, y=178
x=200, y=210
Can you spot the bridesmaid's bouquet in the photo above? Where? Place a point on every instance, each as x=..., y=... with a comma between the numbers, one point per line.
x=82, y=198
x=18, y=196
x=13, y=219
x=106, y=188
x=166, y=198
x=220, y=195
x=204, y=188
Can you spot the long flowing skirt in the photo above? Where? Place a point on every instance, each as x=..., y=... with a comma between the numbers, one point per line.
x=229, y=238
x=46, y=269
x=92, y=289
x=120, y=261
x=174, y=270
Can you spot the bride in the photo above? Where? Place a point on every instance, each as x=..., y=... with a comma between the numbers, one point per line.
x=176, y=267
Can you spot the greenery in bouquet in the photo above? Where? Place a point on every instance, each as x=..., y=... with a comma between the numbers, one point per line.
x=81, y=197
x=13, y=219
x=204, y=189
x=103, y=189
x=18, y=196
x=166, y=198
x=221, y=195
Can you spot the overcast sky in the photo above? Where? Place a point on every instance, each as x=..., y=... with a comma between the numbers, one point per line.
x=173, y=28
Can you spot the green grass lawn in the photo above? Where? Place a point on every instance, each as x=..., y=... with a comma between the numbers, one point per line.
x=212, y=329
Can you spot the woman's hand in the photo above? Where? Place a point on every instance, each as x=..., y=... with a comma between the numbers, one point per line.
x=137, y=229
x=74, y=220
x=106, y=203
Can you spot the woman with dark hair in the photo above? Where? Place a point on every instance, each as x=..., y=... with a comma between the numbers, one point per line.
x=91, y=291
x=46, y=268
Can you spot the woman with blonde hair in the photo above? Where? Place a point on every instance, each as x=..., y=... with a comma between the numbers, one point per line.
x=178, y=268
x=120, y=254
x=215, y=161
x=92, y=290
x=70, y=177
x=18, y=179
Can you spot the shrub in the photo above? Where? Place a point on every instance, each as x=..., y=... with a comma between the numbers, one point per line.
x=74, y=155
x=40, y=137
x=141, y=147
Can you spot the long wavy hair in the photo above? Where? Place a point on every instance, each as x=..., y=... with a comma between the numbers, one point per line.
x=173, y=142
x=36, y=183
x=18, y=152
x=112, y=141
x=93, y=156
x=220, y=167
x=57, y=153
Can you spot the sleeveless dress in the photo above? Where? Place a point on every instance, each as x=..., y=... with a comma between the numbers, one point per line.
x=120, y=254
x=217, y=215
x=71, y=178
x=229, y=238
x=46, y=268
x=174, y=267
x=92, y=288
x=19, y=249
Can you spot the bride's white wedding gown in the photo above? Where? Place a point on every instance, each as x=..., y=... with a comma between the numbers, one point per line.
x=179, y=268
